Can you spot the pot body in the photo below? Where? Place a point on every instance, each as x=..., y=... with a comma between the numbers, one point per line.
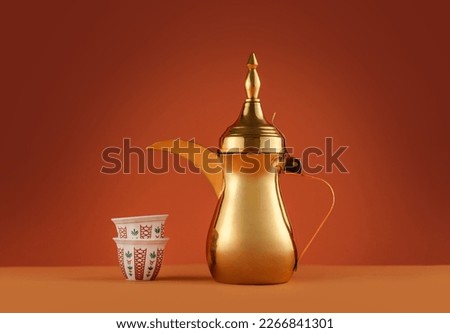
x=250, y=240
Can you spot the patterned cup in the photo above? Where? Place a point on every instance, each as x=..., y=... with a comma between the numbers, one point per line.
x=140, y=259
x=141, y=227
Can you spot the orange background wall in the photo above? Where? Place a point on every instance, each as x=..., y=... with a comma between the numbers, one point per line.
x=80, y=76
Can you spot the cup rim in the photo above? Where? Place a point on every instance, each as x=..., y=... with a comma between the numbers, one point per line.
x=138, y=219
x=139, y=241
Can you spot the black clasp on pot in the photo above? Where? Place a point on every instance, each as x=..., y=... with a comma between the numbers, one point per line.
x=293, y=165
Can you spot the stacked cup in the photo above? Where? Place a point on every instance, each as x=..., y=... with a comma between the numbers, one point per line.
x=140, y=245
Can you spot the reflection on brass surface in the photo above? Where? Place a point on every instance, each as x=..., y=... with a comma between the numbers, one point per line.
x=250, y=239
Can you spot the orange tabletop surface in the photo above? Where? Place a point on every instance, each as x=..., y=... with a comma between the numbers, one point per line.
x=189, y=288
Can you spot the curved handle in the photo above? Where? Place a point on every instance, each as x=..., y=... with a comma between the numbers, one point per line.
x=293, y=165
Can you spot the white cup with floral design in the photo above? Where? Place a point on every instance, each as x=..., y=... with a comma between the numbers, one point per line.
x=140, y=259
x=141, y=227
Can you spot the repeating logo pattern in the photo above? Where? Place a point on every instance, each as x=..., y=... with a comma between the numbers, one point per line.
x=146, y=231
x=141, y=231
x=122, y=232
x=134, y=234
x=157, y=232
x=129, y=255
x=159, y=260
x=151, y=265
x=139, y=263
x=135, y=264
x=121, y=263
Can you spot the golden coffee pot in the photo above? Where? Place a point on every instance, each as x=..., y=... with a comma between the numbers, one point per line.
x=250, y=240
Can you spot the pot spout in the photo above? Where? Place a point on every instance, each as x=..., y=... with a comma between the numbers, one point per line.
x=207, y=161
